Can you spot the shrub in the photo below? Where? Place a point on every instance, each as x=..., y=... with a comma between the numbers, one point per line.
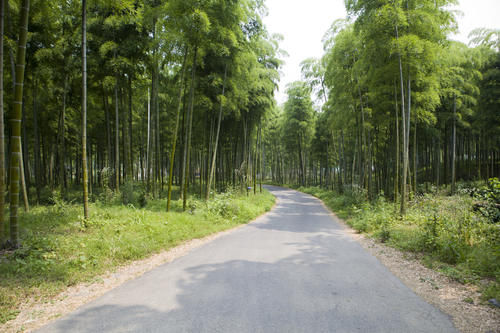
x=223, y=205
x=489, y=200
x=143, y=199
x=127, y=191
x=484, y=259
x=430, y=235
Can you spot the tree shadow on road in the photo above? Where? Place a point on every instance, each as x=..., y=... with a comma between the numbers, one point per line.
x=326, y=285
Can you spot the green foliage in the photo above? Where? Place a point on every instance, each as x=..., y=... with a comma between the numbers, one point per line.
x=489, y=291
x=143, y=199
x=223, y=206
x=489, y=196
x=298, y=124
x=127, y=190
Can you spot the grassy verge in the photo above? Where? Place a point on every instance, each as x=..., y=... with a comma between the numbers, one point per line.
x=60, y=249
x=445, y=230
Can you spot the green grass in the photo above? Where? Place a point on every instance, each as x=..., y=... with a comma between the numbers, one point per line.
x=60, y=249
x=445, y=230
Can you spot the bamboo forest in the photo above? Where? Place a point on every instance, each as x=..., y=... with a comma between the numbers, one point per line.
x=130, y=127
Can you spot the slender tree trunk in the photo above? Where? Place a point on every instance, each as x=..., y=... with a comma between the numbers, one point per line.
x=16, y=125
x=157, y=138
x=152, y=126
x=130, y=141
x=91, y=167
x=23, y=184
x=117, y=138
x=2, y=132
x=254, y=166
x=212, y=167
x=344, y=159
x=398, y=154
x=302, y=182
x=125, y=141
x=24, y=148
x=108, y=133
x=405, y=119
x=454, y=146
x=261, y=158
x=38, y=180
x=61, y=140
x=84, y=111
x=415, y=157
x=187, y=141
x=181, y=165
x=142, y=163
x=148, y=147
x=174, y=142
x=403, y=122
x=364, y=162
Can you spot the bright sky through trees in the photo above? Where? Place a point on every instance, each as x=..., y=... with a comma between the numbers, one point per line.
x=303, y=24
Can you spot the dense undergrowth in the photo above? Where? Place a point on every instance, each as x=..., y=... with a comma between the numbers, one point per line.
x=60, y=248
x=451, y=233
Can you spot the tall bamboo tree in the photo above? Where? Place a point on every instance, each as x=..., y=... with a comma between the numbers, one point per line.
x=84, y=111
x=212, y=167
x=15, y=140
x=2, y=131
x=176, y=129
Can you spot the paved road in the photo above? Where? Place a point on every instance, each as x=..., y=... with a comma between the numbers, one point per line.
x=292, y=270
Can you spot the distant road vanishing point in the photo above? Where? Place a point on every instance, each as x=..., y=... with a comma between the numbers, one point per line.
x=293, y=269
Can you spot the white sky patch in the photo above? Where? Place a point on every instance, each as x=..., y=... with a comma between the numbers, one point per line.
x=304, y=22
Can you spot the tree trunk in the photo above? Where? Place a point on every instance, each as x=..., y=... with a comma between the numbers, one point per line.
x=187, y=141
x=453, y=147
x=403, y=122
x=23, y=184
x=415, y=157
x=2, y=132
x=261, y=157
x=117, y=138
x=15, y=141
x=148, y=147
x=152, y=123
x=38, y=180
x=212, y=167
x=364, y=162
x=157, y=138
x=299, y=139
x=174, y=142
x=398, y=154
x=125, y=139
x=84, y=111
x=61, y=142
x=130, y=152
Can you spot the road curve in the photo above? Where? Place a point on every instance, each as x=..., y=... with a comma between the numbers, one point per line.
x=294, y=269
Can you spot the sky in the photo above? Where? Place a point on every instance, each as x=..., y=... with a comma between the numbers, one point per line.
x=304, y=22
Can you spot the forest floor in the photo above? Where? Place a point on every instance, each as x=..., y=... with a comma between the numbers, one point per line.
x=65, y=261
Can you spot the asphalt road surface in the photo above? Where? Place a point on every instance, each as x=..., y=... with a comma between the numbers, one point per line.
x=292, y=270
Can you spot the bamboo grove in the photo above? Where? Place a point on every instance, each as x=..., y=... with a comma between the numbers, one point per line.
x=404, y=109
x=121, y=93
